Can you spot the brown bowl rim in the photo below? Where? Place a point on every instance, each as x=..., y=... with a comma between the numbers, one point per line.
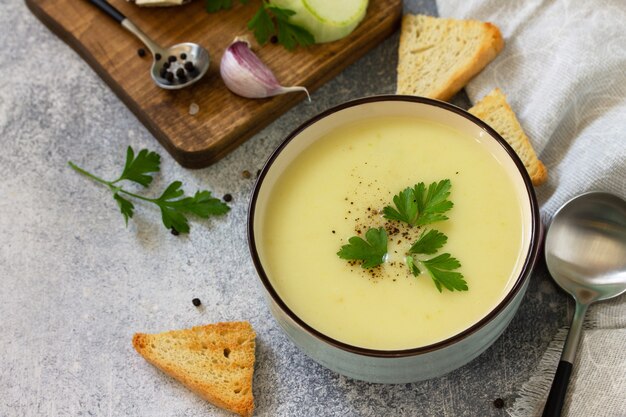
x=524, y=274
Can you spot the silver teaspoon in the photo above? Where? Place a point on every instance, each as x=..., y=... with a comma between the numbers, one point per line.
x=586, y=255
x=172, y=68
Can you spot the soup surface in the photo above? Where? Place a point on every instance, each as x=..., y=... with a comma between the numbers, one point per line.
x=338, y=187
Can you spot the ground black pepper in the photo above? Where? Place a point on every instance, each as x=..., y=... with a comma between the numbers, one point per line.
x=246, y=174
x=274, y=39
x=228, y=198
x=498, y=403
x=196, y=302
x=175, y=232
x=141, y=52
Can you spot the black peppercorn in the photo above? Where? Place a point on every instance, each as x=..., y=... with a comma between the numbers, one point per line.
x=183, y=56
x=498, y=403
x=180, y=73
x=169, y=76
x=228, y=198
x=196, y=302
x=171, y=58
x=163, y=72
x=157, y=57
x=141, y=52
x=189, y=66
x=274, y=39
x=166, y=65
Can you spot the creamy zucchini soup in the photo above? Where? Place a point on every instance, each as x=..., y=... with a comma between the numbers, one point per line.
x=326, y=219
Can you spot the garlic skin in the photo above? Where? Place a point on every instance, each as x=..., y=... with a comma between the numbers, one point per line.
x=246, y=75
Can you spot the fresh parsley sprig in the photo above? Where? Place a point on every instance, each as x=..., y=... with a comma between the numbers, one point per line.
x=418, y=206
x=372, y=252
x=415, y=206
x=440, y=268
x=288, y=34
x=268, y=21
x=174, y=205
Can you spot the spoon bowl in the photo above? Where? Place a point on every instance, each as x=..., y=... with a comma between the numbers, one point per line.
x=173, y=68
x=586, y=247
x=190, y=57
x=585, y=253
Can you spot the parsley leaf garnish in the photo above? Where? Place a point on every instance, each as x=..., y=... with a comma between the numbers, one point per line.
x=372, y=252
x=126, y=207
x=441, y=270
x=431, y=204
x=271, y=20
x=418, y=206
x=216, y=5
x=172, y=202
x=406, y=207
x=137, y=169
x=429, y=242
x=173, y=208
x=290, y=35
x=261, y=25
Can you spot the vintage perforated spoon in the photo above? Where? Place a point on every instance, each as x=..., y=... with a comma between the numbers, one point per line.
x=172, y=68
x=586, y=255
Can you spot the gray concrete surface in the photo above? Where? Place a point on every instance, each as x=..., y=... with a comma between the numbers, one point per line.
x=75, y=284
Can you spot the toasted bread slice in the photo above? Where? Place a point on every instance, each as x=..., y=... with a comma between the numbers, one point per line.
x=216, y=361
x=494, y=110
x=437, y=57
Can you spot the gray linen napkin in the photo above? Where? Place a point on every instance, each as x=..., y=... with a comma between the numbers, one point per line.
x=564, y=71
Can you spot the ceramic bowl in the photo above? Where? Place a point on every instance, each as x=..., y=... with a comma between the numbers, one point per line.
x=397, y=366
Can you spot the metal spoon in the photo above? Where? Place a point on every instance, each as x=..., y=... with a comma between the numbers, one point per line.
x=586, y=255
x=167, y=62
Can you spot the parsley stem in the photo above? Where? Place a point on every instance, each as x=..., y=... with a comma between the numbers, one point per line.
x=110, y=184
x=121, y=190
x=90, y=175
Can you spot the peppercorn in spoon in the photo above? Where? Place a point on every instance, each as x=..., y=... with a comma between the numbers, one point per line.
x=173, y=68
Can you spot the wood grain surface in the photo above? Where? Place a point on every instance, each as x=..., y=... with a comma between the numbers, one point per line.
x=224, y=120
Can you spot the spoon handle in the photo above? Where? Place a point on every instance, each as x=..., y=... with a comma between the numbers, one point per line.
x=109, y=9
x=556, y=398
x=106, y=7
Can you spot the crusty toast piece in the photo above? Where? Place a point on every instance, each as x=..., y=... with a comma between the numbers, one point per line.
x=437, y=57
x=494, y=110
x=216, y=361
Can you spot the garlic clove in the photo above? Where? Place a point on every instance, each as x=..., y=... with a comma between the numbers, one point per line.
x=246, y=75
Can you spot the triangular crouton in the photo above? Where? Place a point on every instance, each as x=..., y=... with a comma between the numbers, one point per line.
x=437, y=57
x=494, y=110
x=216, y=361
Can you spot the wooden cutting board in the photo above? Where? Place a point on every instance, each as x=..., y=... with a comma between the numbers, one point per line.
x=224, y=120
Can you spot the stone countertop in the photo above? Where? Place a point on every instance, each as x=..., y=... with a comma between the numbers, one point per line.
x=76, y=284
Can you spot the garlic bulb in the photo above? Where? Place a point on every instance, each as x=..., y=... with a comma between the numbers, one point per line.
x=246, y=75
